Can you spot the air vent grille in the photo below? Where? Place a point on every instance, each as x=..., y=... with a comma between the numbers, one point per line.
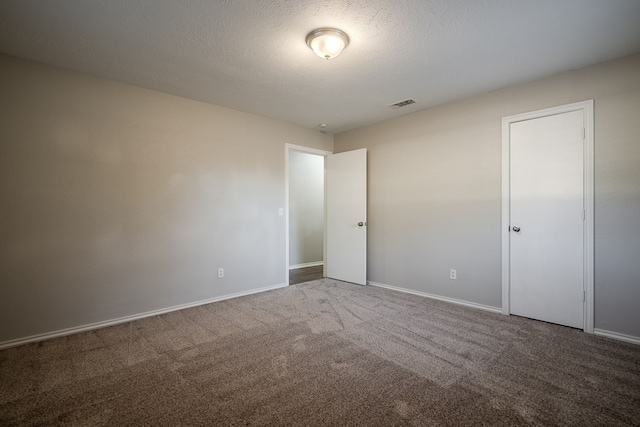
x=402, y=103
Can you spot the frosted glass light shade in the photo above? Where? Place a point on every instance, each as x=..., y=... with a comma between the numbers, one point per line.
x=327, y=43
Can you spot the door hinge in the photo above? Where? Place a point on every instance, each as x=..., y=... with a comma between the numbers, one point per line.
x=584, y=133
x=584, y=215
x=584, y=296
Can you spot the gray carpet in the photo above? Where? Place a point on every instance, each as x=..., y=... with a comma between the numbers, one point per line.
x=323, y=353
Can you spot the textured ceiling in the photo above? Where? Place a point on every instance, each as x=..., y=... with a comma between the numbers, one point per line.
x=251, y=55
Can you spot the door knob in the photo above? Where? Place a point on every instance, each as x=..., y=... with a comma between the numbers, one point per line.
x=516, y=229
x=360, y=224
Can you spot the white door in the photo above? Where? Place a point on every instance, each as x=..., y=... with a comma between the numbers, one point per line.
x=547, y=213
x=346, y=204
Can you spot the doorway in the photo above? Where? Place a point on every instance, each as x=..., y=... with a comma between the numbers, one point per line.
x=547, y=235
x=306, y=216
x=305, y=213
x=345, y=213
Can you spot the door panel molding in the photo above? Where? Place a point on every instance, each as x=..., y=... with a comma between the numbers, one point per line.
x=587, y=107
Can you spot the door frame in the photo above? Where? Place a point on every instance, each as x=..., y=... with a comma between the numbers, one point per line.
x=587, y=107
x=287, y=149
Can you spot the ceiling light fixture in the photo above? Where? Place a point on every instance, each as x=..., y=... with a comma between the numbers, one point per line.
x=327, y=43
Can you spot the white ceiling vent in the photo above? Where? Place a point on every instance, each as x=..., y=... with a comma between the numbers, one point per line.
x=402, y=103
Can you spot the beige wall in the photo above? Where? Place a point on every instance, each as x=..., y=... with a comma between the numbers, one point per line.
x=435, y=190
x=117, y=200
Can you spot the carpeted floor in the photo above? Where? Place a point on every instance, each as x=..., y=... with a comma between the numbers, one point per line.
x=323, y=353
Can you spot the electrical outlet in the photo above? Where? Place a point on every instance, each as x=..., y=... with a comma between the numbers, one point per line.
x=220, y=273
x=453, y=274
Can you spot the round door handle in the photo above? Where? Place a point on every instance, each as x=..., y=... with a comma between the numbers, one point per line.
x=360, y=224
x=516, y=229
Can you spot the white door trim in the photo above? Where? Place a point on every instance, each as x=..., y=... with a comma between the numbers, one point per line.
x=303, y=149
x=588, y=110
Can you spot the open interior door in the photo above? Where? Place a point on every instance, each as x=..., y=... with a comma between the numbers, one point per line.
x=346, y=202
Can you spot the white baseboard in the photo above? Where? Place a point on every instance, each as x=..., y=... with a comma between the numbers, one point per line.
x=439, y=298
x=616, y=336
x=98, y=325
x=305, y=265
